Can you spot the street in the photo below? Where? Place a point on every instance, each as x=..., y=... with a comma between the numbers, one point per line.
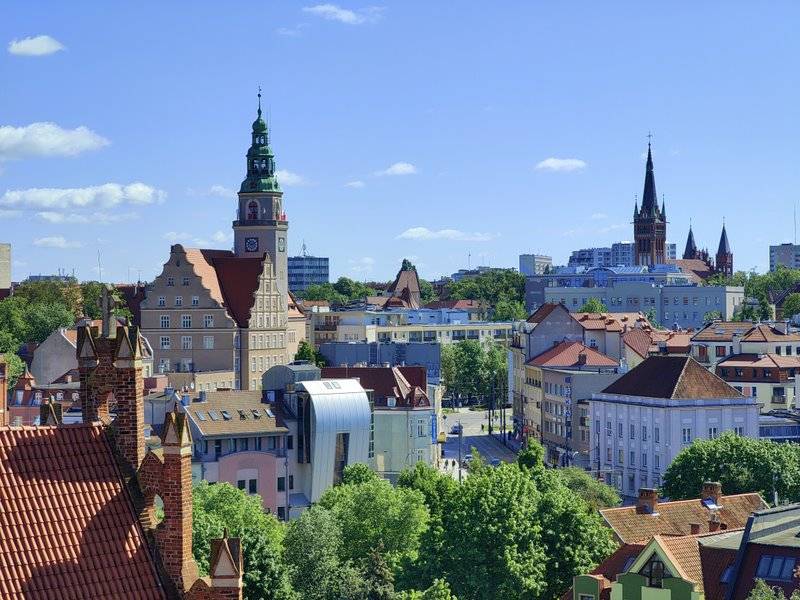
x=488, y=447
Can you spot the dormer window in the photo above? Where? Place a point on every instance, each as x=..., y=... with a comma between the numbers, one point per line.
x=252, y=211
x=655, y=572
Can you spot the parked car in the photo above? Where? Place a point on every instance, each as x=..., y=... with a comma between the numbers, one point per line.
x=456, y=429
x=466, y=460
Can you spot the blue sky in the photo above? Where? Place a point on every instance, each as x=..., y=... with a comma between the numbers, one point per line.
x=405, y=129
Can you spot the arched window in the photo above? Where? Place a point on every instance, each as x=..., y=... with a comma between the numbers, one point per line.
x=252, y=211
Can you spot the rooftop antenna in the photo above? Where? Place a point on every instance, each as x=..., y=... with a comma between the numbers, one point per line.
x=304, y=249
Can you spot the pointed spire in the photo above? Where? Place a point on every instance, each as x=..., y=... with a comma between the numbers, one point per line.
x=259, y=101
x=649, y=196
x=724, y=245
x=635, y=206
x=663, y=208
x=691, y=248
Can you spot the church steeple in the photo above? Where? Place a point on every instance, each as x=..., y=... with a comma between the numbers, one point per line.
x=260, y=159
x=649, y=221
x=724, y=263
x=649, y=195
x=691, y=248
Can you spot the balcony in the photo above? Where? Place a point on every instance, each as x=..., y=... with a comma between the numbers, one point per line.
x=779, y=399
x=326, y=326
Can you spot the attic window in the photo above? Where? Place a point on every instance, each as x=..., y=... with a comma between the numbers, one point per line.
x=226, y=415
x=655, y=572
x=270, y=414
x=200, y=416
x=242, y=414
x=214, y=415
x=256, y=414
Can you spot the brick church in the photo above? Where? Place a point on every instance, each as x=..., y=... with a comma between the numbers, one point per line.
x=650, y=236
x=77, y=518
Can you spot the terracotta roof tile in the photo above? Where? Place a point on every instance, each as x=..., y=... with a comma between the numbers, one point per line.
x=613, y=322
x=675, y=518
x=685, y=554
x=202, y=414
x=67, y=523
x=767, y=333
x=543, y=311
x=675, y=377
x=769, y=360
x=407, y=384
x=567, y=354
x=721, y=331
x=697, y=269
x=455, y=304
x=638, y=340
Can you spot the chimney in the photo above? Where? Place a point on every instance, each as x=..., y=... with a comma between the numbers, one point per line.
x=50, y=413
x=174, y=534
x=714, y=522
x=128, y=390
x=226, y=568
x=712, y=490
x=694, y=528
x=647, y=502
x=582, y=359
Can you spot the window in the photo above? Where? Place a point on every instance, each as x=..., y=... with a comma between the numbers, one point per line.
x=241, y=484
x=195, y=300
x=208, y=321
x=291, y=482
x=170, y=282
x=633, y=431
x=252, y=211
x=162, y=301
x=244, y=444
x=208, y=342
x=619, y=430
x=776, y=568
x=164, y=321
x=608, y=428
x=621, y=456
x=655, y=572
x=289, y=442
x=633, y=458
x=218, y=449
x=644, y=433
x=282, y=513
x=608, y=455
x=738, y=430
x=281, y=484
x=656, y=434
x=631, y=483
x=686, y=435
x=186, y=321
x=186, y=342
x=657, y=461
x=720, y=350
x=252, y=486
x=644, y=459
x=712, y=433
x=420, y=430
x=165, y=342
x=253, y=365
x=178, y=300
x=184, y=281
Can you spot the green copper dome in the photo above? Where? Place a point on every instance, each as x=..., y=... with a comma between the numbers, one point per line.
x=259, y=126
x=260, y=160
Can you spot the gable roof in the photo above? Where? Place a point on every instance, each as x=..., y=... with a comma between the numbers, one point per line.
x=768, y=361
x=544, y=311
x=68, y=523
x=672, y=377
x=207, y=416
x=406, y=384
x=697, y=270
x=638, y=340
x=764, y=332
x=721, y=331
x=612, y=322
x=675, y=518
x=568, y=354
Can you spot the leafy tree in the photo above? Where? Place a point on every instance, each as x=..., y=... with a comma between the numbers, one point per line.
x=44, y=318
x=13, y=319
x=91, y=293
x=509, y=310
x=712, y=315
x=531, y=458
x=791, y=305
x=439, y=590
x=220, y=506
x=358, y=473
x=427, y=293
x=593, y=305
x=651, y=315
x=14, y=368
x=374, y=512
x=761, y=591
x=741, y=464
x=324, y=291
x=306, y=351
x=50, y=292
x=378, y=576
x=490, y=288
x=595, y=493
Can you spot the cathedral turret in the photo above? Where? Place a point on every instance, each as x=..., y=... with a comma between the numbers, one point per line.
x=724, y=257
x=650, y=223
x=260, y=160
x=691, y=248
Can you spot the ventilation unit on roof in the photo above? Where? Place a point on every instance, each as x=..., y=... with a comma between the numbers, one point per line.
x=256, y=414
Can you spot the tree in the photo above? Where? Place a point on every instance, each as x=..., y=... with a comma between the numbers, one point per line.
x=761, y=591
x=595, y=493
x=13, y=319
x=374, y=512
x=221, y=506
x=741, y=464
x=791, y=306
x=358, y=473
x=378, y=576
x=712, y=315
x=489, y=288
x=427, y=293
x=44, y=318
x=91, y=293
x=307, y=352
x=593, y=305
x=509, y=310
x=14, y=368
x=651, y=315
x=439, y=590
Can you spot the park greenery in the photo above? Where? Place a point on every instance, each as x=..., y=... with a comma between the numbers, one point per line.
x=514, y=531
x=307, y=352
x=502, y=290
x=761, y=288
x=343, y=291
x=470, y=369
x=38, y=308
x=741, y=464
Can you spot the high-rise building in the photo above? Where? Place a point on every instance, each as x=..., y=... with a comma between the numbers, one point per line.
x=787, y=255
x=650, y=223
x=622, y=254
x=305, y=270
x=534, y=264
x=590, y=258
x=5, y=268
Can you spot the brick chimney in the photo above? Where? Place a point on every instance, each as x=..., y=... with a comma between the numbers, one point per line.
x=714, y=521
x=581, y=359
x=647, y=502
x=174, y=533
x=694, y=528
x=226, y=568
x=713, y=490
x=50, y=413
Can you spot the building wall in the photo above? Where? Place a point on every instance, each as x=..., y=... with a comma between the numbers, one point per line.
x=534, y=264
x=52, y=358
x=5, y=266
x=262, y=466
x=307, y=270
x=402, y=439
x=424, y=354
x=787, y=255
x=664, y=421
x=202, y=380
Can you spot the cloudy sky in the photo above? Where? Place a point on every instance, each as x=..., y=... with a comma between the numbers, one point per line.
x=443, y=132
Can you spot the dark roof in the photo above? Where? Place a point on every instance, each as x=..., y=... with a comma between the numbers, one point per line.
x=405, y=287
x=247, y=414
x=724, y=246
x=68, y=525
x=406, y=384
x=674, y=377
x=238, y=281
x=543, y=311
x=691, y=248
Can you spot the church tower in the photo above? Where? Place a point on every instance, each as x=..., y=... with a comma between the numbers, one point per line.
x=261, y=224
x=724, y=265
x=650, y=222
x=690, y=252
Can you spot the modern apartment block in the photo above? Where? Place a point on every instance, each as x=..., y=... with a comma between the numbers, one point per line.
x=534, y=264
x=786, y=255
x=305, y=271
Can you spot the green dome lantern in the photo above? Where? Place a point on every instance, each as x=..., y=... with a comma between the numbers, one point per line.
x=260, y=159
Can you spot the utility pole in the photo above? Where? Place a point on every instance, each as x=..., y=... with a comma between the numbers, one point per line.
x=460, y=436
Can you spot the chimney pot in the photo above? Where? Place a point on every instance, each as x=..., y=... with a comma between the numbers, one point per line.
x=712, y=490
x=647, y=502
x=695, y=528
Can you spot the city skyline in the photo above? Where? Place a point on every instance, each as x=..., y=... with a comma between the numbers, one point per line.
x=435, y=145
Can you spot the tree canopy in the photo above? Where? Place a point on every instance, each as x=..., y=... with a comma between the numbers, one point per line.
x=791, y=305
x=593, y=305
x=762, y=591
x=306, y=351
x=741, y=464
x=343, y=291
x=493, y=288
x=469, y=368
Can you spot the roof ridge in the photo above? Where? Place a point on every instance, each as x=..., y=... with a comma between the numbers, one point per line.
x=680, y=376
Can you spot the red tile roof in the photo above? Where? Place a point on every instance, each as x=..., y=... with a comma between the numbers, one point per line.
x=567, y=354
x=695, y=268
x=676, y=517
x=638, y=340
x=618, y=322
x=407, y=384
x=675, y=377
x=767, y=333
x=722, y=331
x=67, y=524
x=769, y=361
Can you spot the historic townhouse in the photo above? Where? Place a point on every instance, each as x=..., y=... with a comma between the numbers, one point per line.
x=228, y=311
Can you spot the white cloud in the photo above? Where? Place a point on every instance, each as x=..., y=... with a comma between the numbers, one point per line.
x=333, y=12
x=40, y=45
x=358, y=184
x=291, y=31
x=598, y=216
x=614, y=227
x=99, y=196
x=56, y=241
x=99, y=218
x=8, y=214
x=423, y=233
x=561, y=164
x=47, y=139
x=399, y=168
x=362, y=265
x=289, y=179
x=220, y=191
x=183, y=237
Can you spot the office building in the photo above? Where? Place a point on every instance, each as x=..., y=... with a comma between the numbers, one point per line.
x=534, y=264
x=305, y=271
x=786, y=255
x=5, y=269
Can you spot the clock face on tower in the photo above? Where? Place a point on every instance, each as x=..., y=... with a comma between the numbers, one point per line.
x=251, y=244
x=281, y=244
